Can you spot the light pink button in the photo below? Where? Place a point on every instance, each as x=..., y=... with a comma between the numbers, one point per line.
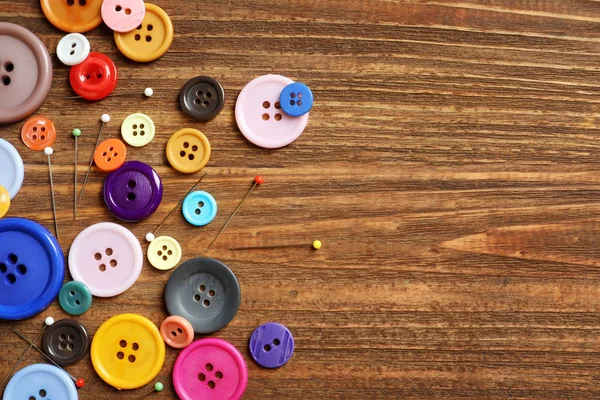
x=107, y=258
x=123, y=15
x=260, y=117
x=210, y=369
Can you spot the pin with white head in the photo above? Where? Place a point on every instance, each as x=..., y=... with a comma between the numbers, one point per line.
x=315, y=245
x=148, y=92
x=49, y=151
x=76, y=133
x=105, y=119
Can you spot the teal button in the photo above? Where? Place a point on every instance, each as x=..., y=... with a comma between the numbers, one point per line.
x=75, y=298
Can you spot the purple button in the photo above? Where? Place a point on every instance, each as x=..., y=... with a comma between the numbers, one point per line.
x=272, y=345
x=133, y=192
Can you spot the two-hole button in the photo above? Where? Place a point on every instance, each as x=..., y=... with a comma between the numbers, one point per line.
x=199, y=208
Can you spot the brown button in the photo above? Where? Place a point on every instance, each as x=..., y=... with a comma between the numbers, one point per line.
x=202, y=98
x=73, y=15
x=66, y=342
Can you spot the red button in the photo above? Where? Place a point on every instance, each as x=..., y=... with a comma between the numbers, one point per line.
x=95, y=78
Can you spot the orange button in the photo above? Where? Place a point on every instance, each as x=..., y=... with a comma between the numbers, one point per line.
x=188, y=150
x=110, y=155
x=177, y=332
x=73, y=15
x=38, y=133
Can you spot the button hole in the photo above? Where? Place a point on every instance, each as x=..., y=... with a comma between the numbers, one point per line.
x=12, y=258
x=191, y=157
x=131, y=196
x=6, y=80
x=102, y=267
x=266, y=105
x=11, y=278
x=113, y=263
x=202, y=288
x=179, y=330
x=211, y=384
x=197, y=297
x=148, y=38
x=21, y=269
x=150, y=27
x=276, y=342
x=3, y=267
x=267, y=347
x=206, y=303
x=278, y=117
x=120, y=355
x=209, y=367
x=266, y=117
x=211, y=293
x=137, y=37
x=131, y=184
x=123, y=343
x=135, y=346
x=278, y=105
x=9, y=66
x=127, y=11
x=118, y=8
x=219, y=375
x=202, y=377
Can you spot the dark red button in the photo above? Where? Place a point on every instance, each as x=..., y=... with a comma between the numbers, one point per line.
x=95, y=78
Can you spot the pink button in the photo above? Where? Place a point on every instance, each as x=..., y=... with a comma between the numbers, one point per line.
x=107, y=258
x=123, y=15
x=210, y=369
x=260, y=117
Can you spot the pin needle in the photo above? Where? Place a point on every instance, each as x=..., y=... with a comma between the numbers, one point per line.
x=315, y=245
x=105, y=118
x=148, y=92
x=49, y=151
x=158, y=387
x=76, y=134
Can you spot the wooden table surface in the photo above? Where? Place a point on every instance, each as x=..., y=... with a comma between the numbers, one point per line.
x=450, y=167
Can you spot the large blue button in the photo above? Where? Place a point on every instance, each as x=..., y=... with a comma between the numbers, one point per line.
x=12, y=171
x=41, y=382
x=199, y=208
x=296, y=99
x=32, y=268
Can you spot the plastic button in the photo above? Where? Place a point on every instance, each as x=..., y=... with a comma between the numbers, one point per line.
x=38, y=133
x=95, y=78
x=164, y=253
x=12, y=170
x=110, y=155
x=151, y=39
x=107, y=258
x=73, y=49
x=4, y=201
x=199, y=208
x=41, y=382
x=202, y=98
x=75, y=298
x=32, y=268
x=210, y=369
x=138, y=130
x=259, y=116
x=205, y=292
x=133, y=192
x=296, y=99
x=66, y=342
x=25, y=72
x=128, y=351
x=271, y=345
x=123, y=15
x=177, y=332
x=188, y=150
x=73, y=15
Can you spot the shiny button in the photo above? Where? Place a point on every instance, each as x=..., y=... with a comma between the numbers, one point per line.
x=138, y=130
x=25, y=72
x=95, y=78
x=123, y=15
x=40, y=382
x=296, y=99
x=271, y=345
x=199, y=208
x=73, y=15
x=4, y=201
x=75, y=298
x=164, y=253
x=107, y=258
x=12, y=170
x=128, y=351
x=110, y=155
x=38, y=133
x=151, y=39
x=188, y=150
x=202, y=98
x=210, y=369
x=259, y=116
x=177, y=332
x=66, y=342
x=73, y=49
x=133, y=192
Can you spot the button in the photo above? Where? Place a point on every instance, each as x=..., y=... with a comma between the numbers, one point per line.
x=188, y=150
x=202, y=98
x=123, y=15
x=199, y=208
x=107, y=258
x=38, y=133
x=296, y=99
x=110, y=155
x=95, y=78
x=25, y=72
x=138, y=130
x=271, y=345
x=259, y=116
x=128, y=351
x=41, y=382
x=66, y=342
x=210, y=369
x=150, y=40
x=177, y=332
x=164, y=253
x=205, y=292
x=73, y=49
x=32, y=268
x=133, y=192
x=4, y=201
x=73, y=15
x=75, y=298
x=12, y=170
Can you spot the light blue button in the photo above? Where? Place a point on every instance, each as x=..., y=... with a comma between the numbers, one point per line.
x=41, y=382
x=12, y=171
x=296, y=99
x=199, y=208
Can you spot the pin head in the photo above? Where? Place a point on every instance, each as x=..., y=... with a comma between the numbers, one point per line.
x=48, y=151
x=76, y=132
x=148, y=92
x=259, y=180
x=149, y=237
x=80, y=383
x=49, y=321
x=105, y=118
x=159, y=387
x=317, y=244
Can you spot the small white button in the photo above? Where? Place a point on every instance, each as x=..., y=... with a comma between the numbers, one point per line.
x=73, y=49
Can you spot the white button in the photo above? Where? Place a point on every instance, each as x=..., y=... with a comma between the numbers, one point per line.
x=73, y=49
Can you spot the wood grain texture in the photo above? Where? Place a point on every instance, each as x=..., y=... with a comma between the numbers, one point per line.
x=450, y=168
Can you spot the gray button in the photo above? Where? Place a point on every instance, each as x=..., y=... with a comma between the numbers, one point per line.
x=66, y=342
x=202, y=98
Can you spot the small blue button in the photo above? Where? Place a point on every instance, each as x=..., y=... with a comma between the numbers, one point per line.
x=296, y=99
x=12, y=171
x=75, y=298
x=199, y=208
x=41, y=381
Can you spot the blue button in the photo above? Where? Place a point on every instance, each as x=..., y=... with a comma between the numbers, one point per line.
x=199, y=208
x=75, y=298
x=11, y=168
x=296, y=99
x=41, y=382
x=32, y=268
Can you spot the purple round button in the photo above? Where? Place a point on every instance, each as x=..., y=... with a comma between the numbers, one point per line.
x=133, y=192
x=271, y=345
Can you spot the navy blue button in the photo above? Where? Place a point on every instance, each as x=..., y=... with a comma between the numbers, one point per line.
x=199, y=208
x=32, y=268
x=296, y=99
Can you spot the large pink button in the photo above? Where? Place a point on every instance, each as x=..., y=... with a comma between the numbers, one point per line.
x=123, y=15
x=107, y=258
x=260, y=117
x=210, y=369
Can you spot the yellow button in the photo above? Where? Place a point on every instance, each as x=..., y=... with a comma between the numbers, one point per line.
x=188, y=150
x=150, y=40
x=138, y=130
x=164, y=253
x=128, y=351
x=73, y=15
x=4, y=201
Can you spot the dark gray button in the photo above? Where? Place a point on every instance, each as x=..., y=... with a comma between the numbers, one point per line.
x=66, y=342
x=202, y=98
x=205, y=292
